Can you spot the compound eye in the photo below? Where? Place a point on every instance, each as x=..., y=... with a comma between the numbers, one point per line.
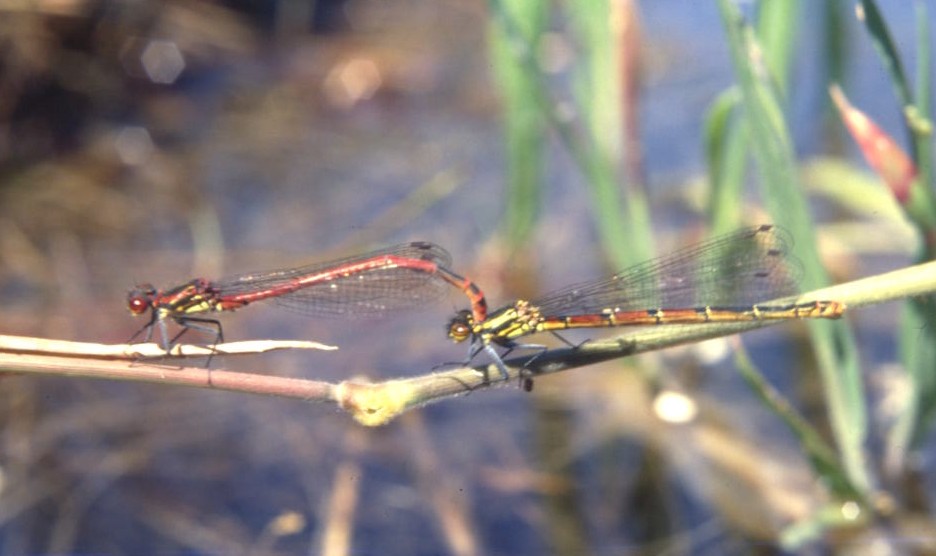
x=137, y=305
x=459, y=331
x=139, y=298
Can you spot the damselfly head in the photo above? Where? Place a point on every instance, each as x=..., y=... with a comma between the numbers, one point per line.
x=459, y=328
x=140, y=298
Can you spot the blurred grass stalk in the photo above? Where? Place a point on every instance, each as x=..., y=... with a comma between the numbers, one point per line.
x=602, y=126
x=919, y=354
x=747, y=120
x=726, y=133
x=606, y=97
x=524, y=128
x=762, y=116
x=917, y=340
x=910, y=181
x=595, y=143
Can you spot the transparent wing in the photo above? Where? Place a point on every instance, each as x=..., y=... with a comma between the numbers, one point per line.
x=742, y=268
x=363, y=285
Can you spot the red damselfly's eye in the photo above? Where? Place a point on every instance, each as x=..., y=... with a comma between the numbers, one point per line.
x=139, y=298
x=137, y=305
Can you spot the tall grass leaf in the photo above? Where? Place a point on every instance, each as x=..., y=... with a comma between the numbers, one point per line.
x=823, y=458
x=777, y=25
x=726, y=153
x=917, y=339
x=874, y=23
x=834, y=343
x=622, y=221
x=727, y=138
x=620, y=208
x=523, y=126
x=924, y=74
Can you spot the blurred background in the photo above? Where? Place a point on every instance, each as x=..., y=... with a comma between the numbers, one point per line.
x=151, y=141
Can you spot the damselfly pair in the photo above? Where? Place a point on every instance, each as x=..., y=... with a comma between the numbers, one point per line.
x=725, y=279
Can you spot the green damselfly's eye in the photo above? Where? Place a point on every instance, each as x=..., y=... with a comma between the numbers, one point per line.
x=459, y=328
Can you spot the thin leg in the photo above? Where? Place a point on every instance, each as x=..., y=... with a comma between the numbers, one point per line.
x=564, y=341
x=210, y=326
x=498, y=362
x=164, y=334
x=526, y=378
x=477, y=346
x=540, y=349
x=148, y=328
x=498, y=359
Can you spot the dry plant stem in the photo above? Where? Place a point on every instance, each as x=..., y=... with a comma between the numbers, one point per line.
x=341, y=508
x=377, y=403
x=166, y=374
x=440, y=487
x=45, y=346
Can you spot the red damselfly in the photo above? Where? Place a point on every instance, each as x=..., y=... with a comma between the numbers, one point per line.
x=389, y=279
x=725, y=279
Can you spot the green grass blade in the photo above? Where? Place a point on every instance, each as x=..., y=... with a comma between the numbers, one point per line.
x=884, y=45
x=598, y=80
x=917, y=339
x=924, y=109
x=726, y=136
x=777, y=23
x=821, y=456
x=921, y=204
x=726, y=152
x=524, y=127
x=622, y=221
x=620, y=208
x=833, y=342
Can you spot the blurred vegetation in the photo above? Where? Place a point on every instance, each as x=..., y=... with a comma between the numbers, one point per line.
x=746, y=123
x=88, y=89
